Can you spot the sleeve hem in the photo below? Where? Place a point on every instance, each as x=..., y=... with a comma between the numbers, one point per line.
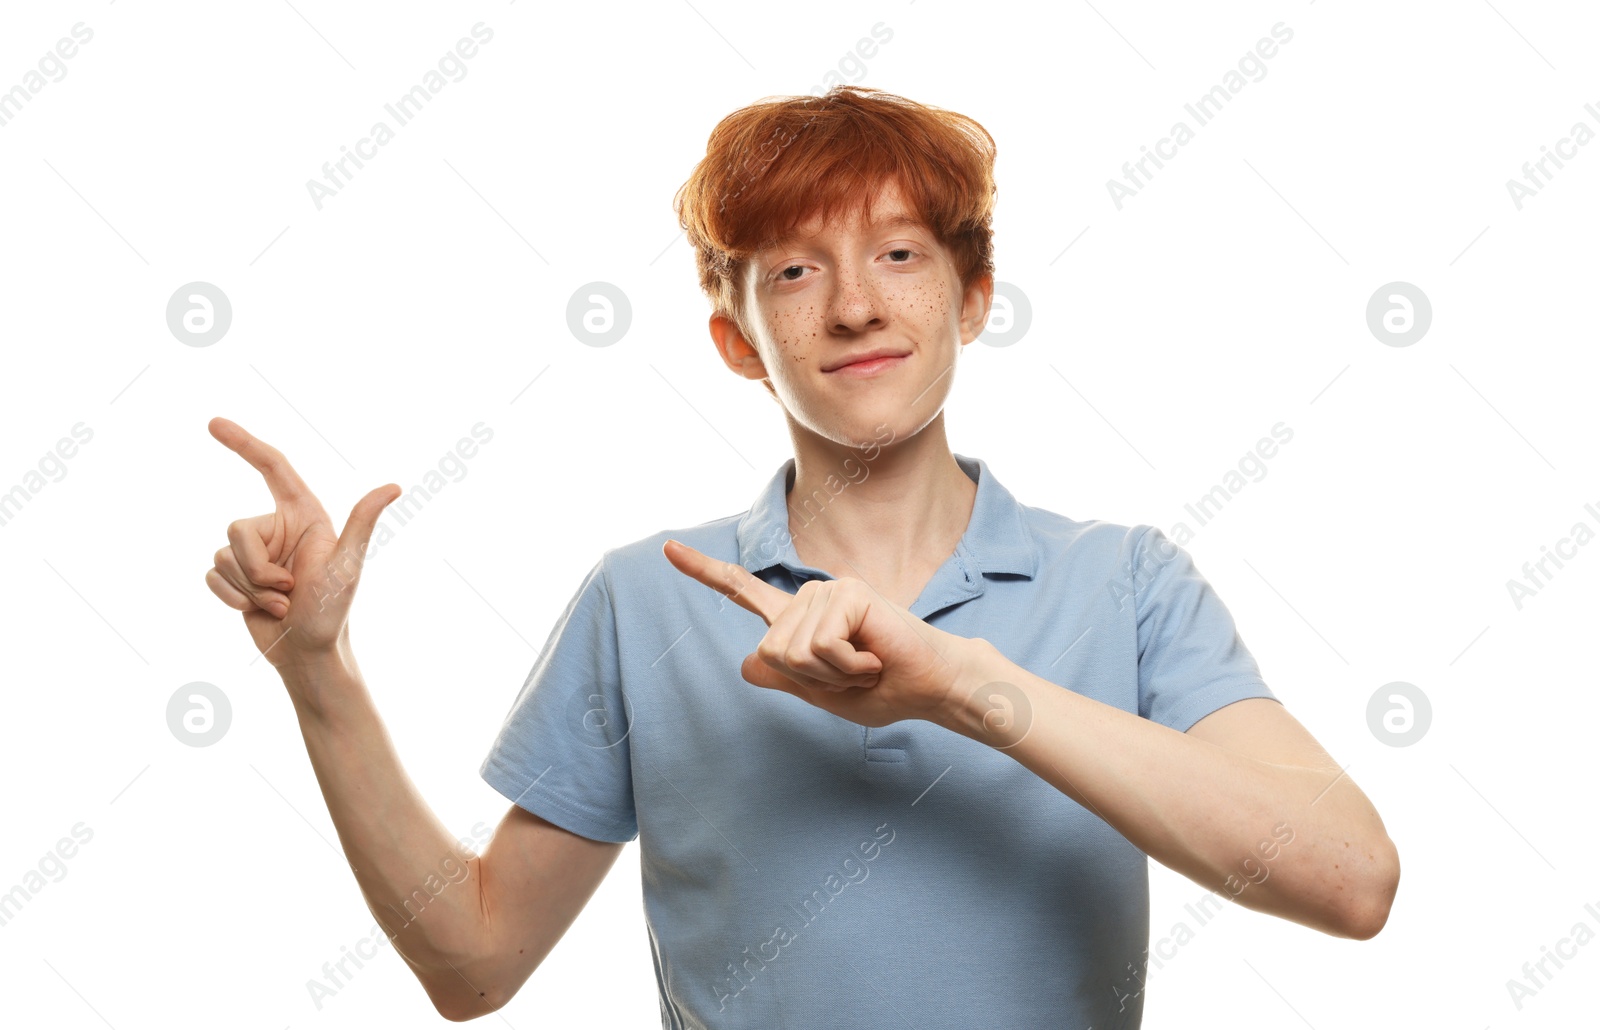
x=565, y=813
x=1202, y=703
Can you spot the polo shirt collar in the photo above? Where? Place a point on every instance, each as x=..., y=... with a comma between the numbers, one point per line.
x=996, y=539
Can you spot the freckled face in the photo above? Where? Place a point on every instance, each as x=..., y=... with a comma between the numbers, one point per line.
x=841, y=290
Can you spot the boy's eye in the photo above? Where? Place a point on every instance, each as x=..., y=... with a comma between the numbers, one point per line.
x=786, y=277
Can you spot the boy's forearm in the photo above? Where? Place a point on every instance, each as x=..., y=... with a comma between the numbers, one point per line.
x=1195, y=807
x=396, y=846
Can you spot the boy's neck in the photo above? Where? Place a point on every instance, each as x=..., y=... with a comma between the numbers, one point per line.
x=889, y=515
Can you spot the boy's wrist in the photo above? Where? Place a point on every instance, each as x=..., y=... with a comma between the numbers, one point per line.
x=313, y=678
x=969, y=708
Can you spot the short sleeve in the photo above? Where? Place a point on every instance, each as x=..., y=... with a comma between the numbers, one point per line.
x=563, y=751
x=1192, y=660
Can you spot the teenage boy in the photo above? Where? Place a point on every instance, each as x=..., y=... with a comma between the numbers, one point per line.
x=979, y=717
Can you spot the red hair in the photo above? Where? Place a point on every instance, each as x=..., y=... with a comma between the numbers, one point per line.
x=774, y=164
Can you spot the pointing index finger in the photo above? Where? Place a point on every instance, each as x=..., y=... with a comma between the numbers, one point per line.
x=284, y=482
x=732, y=581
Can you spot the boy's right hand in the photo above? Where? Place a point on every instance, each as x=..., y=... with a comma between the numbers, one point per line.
x=288, y=572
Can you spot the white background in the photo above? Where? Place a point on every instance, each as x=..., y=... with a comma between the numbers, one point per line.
x=368, y=336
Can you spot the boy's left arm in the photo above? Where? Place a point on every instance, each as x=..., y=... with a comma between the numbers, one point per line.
x=1246, y=802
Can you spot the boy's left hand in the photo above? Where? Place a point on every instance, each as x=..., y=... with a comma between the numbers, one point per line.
x=839, y=645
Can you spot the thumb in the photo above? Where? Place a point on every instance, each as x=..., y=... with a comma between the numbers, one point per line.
x=364, y=518
x=758, y=673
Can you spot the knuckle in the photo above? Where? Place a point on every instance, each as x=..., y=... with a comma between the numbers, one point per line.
x=268, y=457
x=225, y=594
x=242, y=534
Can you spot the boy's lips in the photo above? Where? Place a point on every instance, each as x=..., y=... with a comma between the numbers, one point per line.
x=864, y=356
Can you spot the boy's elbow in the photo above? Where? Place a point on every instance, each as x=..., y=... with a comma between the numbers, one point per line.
x=457, y=1015
x=459, y=1008
x=1370, y=913
x=463, y=988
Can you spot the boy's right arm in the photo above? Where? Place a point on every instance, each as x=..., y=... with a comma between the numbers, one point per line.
x=478, y=939
x=474, y=943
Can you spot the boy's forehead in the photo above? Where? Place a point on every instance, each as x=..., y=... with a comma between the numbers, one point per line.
x=887, y=214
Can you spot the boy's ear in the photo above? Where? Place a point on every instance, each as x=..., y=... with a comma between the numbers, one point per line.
x=737, y=352
x=975, y=307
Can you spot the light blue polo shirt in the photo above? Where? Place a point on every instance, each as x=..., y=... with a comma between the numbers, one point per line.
x=803, y=871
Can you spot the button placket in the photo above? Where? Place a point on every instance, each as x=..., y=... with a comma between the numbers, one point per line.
x=891, y=743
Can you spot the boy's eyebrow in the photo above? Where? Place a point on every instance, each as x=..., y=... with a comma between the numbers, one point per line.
x=899, y=222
